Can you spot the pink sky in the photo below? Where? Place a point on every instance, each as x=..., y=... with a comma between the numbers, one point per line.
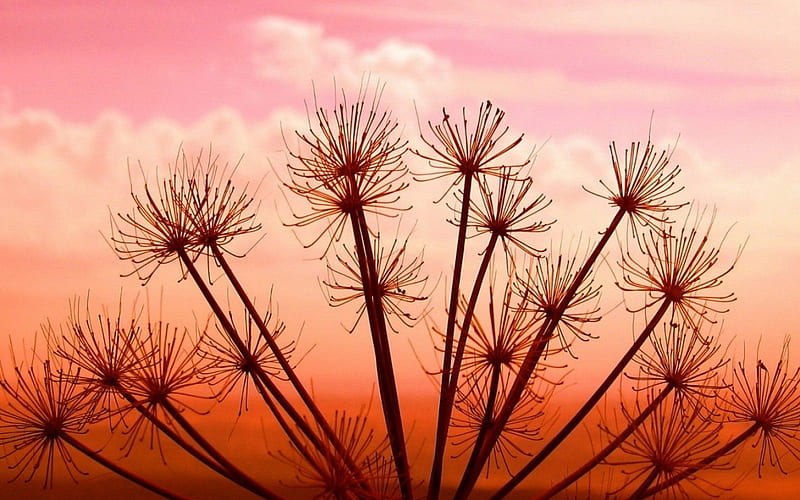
x=87, y=86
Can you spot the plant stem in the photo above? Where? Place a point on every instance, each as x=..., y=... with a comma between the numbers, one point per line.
x=531, y=360
x=319, y=418
x=601, y=455
x=721, y=452
x=445, y=402
x=647, y=482
x=258, y=372
x=130, y=476
x=589, y=404
x=238, y=475
x=383, y=357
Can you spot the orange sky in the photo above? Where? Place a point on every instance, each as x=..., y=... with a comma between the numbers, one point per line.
x=89, y=88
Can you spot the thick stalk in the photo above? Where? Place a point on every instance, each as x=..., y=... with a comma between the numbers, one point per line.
x=590, y=403
x=238, y=475
x=646, y=483
x=287, y=367
x=383, y=358
x=724, y=450
x=531, y=360
x=108, y=464
x=445, y=408
x=601, y=455
x=177, y=439
x=258, y=373
x=486, y=422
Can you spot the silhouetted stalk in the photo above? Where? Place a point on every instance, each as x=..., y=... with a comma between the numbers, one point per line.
x=445, y=409
x=721, y=452
x=258, y=372
x=108, y=464
x=383, y=357
x=307, y=399
x=600, y=456
x=177, y=439
x=589, y=404
x=486, y=422
x=647, y=482
x=287, y=429
x=531, y=360
x=235, y=472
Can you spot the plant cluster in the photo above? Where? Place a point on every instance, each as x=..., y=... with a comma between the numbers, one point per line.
x=515, y=313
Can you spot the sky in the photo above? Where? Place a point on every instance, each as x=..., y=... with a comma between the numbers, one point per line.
x=91, y=90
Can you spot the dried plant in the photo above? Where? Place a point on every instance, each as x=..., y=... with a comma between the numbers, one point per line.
x=514, y=315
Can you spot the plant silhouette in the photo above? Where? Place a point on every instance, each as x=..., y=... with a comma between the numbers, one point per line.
x=516, y=313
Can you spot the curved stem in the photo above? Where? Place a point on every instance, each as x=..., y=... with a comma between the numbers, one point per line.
x=130, y=476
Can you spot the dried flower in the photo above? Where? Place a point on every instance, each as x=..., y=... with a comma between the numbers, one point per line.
x=644, y=186
x=354, y=164
x=228, y=369
x=545, y=288
x=163, y=382
x=463, y=153
x=43, y=407
x=670, y=441
x=771, y=401
x=217, y=211
x=680, y=268
x=506, y=212
x=399, y=282
x=682, y=360
x=504, y=342
x=524, y=425
x=323, y=470
x=106, y=351
x=159, y=229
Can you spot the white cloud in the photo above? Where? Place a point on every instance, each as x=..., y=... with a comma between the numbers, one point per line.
x=298, y=53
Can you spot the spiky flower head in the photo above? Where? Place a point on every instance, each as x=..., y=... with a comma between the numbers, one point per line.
x=769, y=399
x=682, y=267
x=353, y=164
x=644, y=185
x=43, y=407
x=399, y=280
x=463, y=151
x=683, y=360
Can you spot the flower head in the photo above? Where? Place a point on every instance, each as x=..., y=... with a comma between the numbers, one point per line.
x=544, y=288
x=683, y=360
x=508, y=212
x=770, y=399
x=217, y=211
x=399, y=282
x=227, y=369
x=107, y=351
x=673, y=439
x=524, y=425
x=43, y=407
x=354, y=163
x=682, y=268
x=644, y=185
x=464, y=152
x=159, y=230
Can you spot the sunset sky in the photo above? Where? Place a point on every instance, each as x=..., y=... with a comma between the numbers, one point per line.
x=88, y=88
